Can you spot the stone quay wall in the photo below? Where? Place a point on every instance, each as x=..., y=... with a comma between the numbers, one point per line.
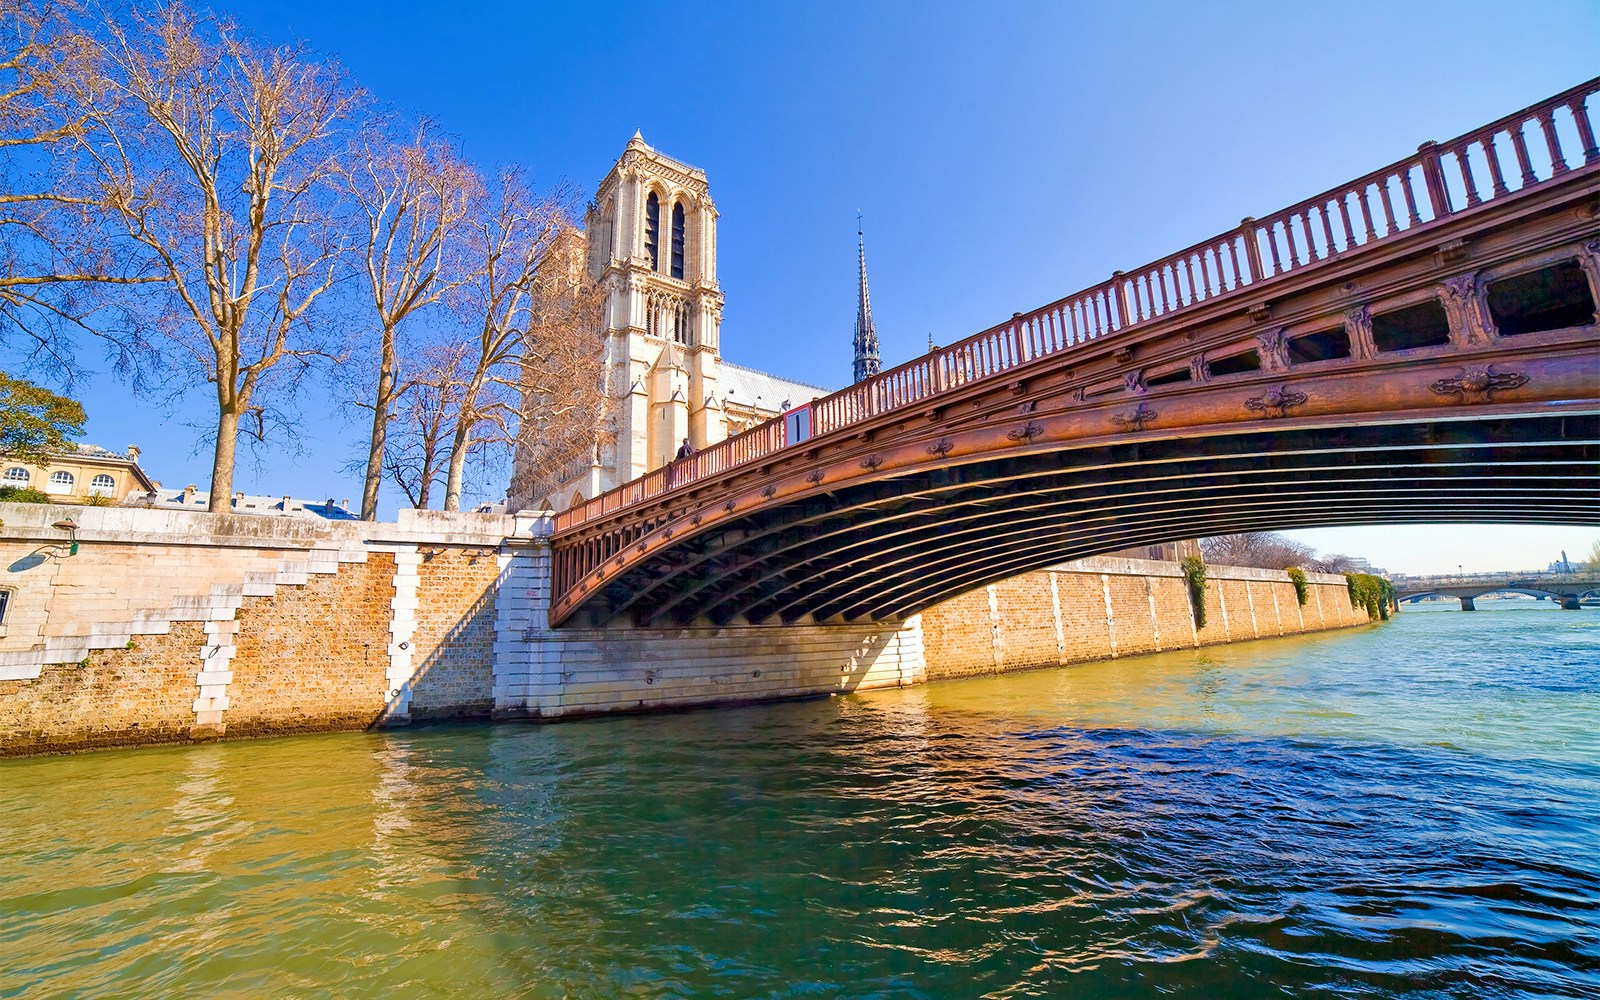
x=179, y=626
x=1102, y=608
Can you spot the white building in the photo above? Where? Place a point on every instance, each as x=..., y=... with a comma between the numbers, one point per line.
x=652, y=247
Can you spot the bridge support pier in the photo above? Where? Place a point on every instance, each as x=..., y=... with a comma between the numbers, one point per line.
x=1569, y=602
x=1467, y=605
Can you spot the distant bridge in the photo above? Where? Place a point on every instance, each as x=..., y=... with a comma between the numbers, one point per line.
x=1418, y=345
x=1567, y=588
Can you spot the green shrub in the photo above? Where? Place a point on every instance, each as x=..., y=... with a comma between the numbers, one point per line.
x=1297, y=576
x=1194, y=572
x=1373, y=593
x=22, y=494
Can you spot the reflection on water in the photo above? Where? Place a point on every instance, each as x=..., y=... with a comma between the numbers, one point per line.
x=1406, y=810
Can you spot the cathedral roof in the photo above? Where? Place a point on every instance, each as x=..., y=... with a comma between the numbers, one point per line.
x=747, y=387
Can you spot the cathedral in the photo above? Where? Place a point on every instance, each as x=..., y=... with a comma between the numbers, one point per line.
x=649, y=245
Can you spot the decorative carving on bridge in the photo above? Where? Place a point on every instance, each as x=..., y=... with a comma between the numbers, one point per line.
x=666, y=533
x=1027, y=406
x=696, y=519
x=1358, y=325
x=1134, y=420
x=1452, y=252
x=1198, y=372
x=1025, y=434
x=941, y=447
x=770, y=490
x=871, y=463
x=1260, y=312
x=728, y=506
x=814, y=477
x=1470, y=325
x=1275, y=402
x=1274, y=351
x=1134, y=381
x=641, y=548
x=1478, y=383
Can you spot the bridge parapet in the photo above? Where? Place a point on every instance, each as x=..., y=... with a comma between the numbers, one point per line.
x=1415, y=193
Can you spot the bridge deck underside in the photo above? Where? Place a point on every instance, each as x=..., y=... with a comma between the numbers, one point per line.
x=888, y=548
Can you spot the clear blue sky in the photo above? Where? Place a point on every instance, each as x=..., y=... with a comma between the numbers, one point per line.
x=1003, y=154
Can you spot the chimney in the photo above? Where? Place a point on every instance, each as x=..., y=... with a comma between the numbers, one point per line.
x=188, y=494
x=285, y=504
x=133, y=454
x=238, y=498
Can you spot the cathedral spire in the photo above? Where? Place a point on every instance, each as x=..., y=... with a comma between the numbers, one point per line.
x=866, y=342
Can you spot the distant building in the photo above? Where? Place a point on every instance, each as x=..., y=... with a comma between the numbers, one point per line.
x=75, y=474
x=191, y=498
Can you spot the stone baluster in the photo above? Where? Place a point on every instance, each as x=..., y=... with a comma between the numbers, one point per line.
x=1519, y=143
x=1433, y=175
x=1580, y=117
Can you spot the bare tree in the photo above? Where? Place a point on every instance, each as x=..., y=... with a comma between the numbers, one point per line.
x=1260, y=549
x=565, y=406
x=220, y=157
x=56, y=249
x=416, y=454
x=510, y=238
x=415, y=198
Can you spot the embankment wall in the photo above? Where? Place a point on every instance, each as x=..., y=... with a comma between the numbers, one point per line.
x=1103, y=608
x=176, y=626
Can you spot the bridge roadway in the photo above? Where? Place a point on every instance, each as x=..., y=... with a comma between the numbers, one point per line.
x=1419, y=345
x=1567, y=588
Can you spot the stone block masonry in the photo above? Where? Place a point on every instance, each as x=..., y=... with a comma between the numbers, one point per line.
x=1103, y=608
x=176, y=626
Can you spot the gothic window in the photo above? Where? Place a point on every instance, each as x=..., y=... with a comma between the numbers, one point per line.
x=680, y=323
x=652, y=229
x=16, y=476
x=677, y=240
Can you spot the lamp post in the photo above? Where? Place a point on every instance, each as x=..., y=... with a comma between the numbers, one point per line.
x=70, y=526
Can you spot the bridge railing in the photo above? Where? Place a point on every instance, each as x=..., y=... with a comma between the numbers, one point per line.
x=1487, y=163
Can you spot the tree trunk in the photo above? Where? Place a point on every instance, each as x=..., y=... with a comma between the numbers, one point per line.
x=458, y=465
x=380, y=428
x=222, y=462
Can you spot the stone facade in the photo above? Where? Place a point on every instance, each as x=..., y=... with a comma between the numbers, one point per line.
x=78, y=472
x=1103, y=608
x=171, y=626
x=650, y=240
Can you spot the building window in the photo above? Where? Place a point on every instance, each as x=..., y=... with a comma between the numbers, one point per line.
x=652, y=229
x=60, y=482
x=5, y=604
x=677, y=240
x=16, y=476
x=103, y=485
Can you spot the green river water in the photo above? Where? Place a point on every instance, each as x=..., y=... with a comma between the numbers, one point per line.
x=1402, y=810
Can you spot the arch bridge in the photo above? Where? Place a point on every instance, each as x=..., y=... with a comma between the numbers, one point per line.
x=1567, y=588
x=1420, y=344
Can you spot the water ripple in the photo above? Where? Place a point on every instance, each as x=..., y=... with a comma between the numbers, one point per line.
x=1371, y=814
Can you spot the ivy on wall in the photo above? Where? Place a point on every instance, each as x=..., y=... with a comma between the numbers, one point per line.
x=1371, y=592
x=1297, y=576
x=1194, y=573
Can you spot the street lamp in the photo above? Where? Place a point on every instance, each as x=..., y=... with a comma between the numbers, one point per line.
x=71, y=528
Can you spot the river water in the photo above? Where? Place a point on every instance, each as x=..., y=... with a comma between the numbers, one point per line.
x=1403, y=810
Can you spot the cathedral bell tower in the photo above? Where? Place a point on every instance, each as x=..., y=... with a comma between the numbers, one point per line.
x=652, y=231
